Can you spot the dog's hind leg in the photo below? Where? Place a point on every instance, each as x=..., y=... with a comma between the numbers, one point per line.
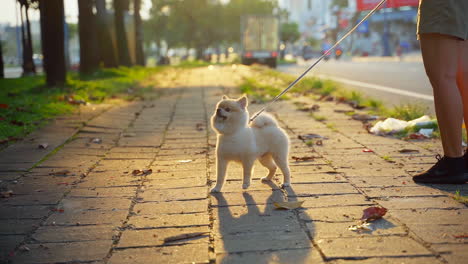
x=281, y=159
x=267, y=161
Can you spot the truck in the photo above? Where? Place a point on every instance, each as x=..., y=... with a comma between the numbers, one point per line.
x=259, y=39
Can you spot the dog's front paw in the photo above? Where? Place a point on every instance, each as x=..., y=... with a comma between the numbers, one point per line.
x=245, y=186
x=265, y=179
x=286, y=184
x=215, y=189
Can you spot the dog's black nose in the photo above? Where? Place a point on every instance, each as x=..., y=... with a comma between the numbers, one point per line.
x=218, y=110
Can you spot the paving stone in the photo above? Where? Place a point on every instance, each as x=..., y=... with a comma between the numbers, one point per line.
x=188, y=253
x=309, y=255
x=333, y=200
x=180, y=194
x=8, y=244
x=436, y=216
x=64, y=252
x=385, y=226
x=375, y=246
x=440, y=233
x=156, y=181
x=18, y=226
x=58, y=234
x=155, y=237
x=401, y=191
x=73, y=218
x=22, y=212
x=169, y=220
x=391, y=260
x=83, y=204
x=271, y=240
x=333, y=214
x=247, y=198
x=304, y=190
x=452, y=253
x=173, y=207
x=421, y=202
x=111, y=192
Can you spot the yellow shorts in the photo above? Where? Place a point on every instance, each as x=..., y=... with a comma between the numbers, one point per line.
x=448, y=17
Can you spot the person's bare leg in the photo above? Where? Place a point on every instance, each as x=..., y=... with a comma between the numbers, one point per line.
x=440, y=56
x=462, y=77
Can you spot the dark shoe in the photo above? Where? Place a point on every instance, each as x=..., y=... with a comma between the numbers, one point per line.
x=446, y=171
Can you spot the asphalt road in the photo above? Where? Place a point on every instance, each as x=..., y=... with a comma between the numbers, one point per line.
x=392, y=82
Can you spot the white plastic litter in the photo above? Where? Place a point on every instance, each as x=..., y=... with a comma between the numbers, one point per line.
x=393, y=125
x=427, y=132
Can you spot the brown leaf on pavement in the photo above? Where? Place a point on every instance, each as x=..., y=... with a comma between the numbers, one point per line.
x=142, y=172
x=6, y=194
x=43, y=146
x=288, y=205
x=184, y=236
x=408, y=151
x=60, y=173
x=305, y=158
x=199, y=127
x=312, y=108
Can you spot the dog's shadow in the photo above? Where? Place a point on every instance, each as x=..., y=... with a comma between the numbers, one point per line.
x=244, y=233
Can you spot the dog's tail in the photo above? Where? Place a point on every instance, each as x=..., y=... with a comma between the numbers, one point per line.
x=264, y=120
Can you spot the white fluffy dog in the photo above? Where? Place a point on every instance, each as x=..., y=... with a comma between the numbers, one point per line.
x=239, y=141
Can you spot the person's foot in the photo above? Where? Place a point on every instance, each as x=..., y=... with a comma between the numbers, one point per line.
x=446, y=171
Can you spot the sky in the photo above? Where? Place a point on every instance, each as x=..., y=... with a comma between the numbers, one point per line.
x=8, y=14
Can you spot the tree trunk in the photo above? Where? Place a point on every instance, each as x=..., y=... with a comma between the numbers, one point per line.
x=87, y=31
x=53, y=44
x=2, y=71
x=30, y=61
x=140, y=57
x=122, y=45
x=28, y=64
x=107, y=52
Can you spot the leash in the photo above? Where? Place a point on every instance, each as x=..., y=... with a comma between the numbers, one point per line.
x=326, y=53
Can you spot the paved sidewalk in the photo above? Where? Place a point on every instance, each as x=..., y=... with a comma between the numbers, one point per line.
x=99, y=212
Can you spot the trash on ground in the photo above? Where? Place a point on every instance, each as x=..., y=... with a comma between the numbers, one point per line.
x=367, y=150
x=310, y=136
x=361, y=227
x=427, y=132
x=96, y=140
x=184, y=236
x=305, y=158
x=6, y=194
x=373, y=213
x=43, y=146
x=185, y=161
x=288, y=205
x=416, y=136
x=393, y=125
x=60, y=173
x=364, y=117
x=408, y=151
x=142, y=172
x=461, y=236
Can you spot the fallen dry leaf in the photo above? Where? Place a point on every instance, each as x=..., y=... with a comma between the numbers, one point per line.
x=184, y=236
x=43, y=146
x=408, y=151
x=142, y=172
x=288, y=205
x=60, y=173
x=199, y=127
x=6, y=194
x=305, y=158
x=373, y=213
x=310, y=136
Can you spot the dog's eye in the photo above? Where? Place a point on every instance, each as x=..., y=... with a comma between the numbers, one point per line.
x=228, y=109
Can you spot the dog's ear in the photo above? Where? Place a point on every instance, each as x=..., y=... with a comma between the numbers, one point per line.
x=225, y=97
x=243, y=101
